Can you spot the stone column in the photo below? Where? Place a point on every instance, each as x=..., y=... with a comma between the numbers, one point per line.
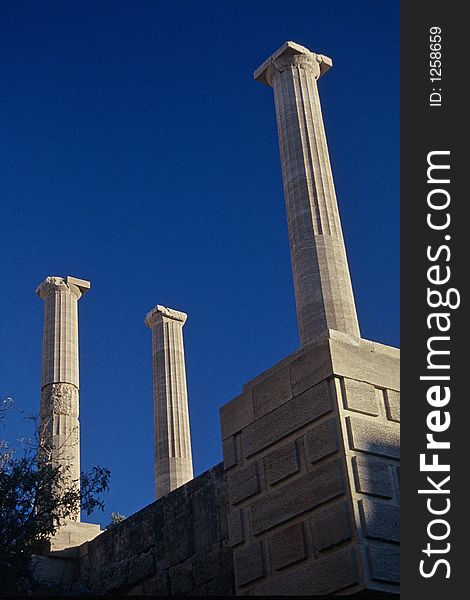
x=173, y=456
x=59, y=424
x=323, y=290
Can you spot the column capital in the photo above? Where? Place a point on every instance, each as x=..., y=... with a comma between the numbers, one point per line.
x=160, y=312
x=67, y=285
x=288, y=55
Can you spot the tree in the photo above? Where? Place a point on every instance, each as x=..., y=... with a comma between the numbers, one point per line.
x=36, y=497
x=116, y=518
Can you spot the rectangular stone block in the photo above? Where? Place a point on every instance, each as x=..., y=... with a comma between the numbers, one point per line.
x=281, y=463
x=331, y=526
x=204, y=566
x=360, y=396
x=222, y=582
x=373, y=477
x=113, y=576
x=81, y=283
x=392, y=405
x=249, y=564
x=373, y=436
x=141, y=567
x=380, y=520
x=298, y=496
x=377, y=364
x=181, y=579
x=321, y=441
x=288, y=546
x=286, y=419
x=272, y=392
x=326, y=575
x=384, y=562
x=236, y=414
x=229, y=450
x=235, y=527
x=310, y=367
x=244, y=483
x=158, y=585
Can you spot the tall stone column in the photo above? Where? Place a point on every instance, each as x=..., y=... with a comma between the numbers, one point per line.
x=323, y=291
x=59, y=422
x=173, y=455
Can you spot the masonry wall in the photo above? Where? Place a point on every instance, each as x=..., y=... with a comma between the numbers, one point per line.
x=370, y=419
x=311, y=453
x=175, y=546
x=306, y=501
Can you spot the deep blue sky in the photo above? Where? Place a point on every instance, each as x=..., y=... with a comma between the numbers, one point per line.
x=137, y=151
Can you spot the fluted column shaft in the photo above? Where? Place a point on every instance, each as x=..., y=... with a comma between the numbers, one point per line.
x=324, y=296
x=59, y=412
x=173, y=455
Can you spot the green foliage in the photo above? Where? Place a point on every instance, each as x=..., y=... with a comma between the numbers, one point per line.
x=35, y=498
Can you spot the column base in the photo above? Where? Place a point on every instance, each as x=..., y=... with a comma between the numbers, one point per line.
x=56, y=563
x=73, y=534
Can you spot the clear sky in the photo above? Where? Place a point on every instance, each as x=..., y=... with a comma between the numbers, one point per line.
x=136, y=151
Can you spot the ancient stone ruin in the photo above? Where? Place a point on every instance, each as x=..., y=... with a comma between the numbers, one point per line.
x=306, y=500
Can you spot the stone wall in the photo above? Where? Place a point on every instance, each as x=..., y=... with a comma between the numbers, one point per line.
x=175, y=546
x=370, y=418
x=311, y=451
x=306, y=501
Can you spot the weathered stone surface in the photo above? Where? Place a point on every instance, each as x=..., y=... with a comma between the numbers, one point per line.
x=206, y=531
x=100, y=553
x=181, y=579
x=229, y=450
x=310, y=366
x=331, y=526
x=360, y=396
x=157, y=585
x=384, y=562
x=141, y=566
x=375, y=437
x=392, y=403
x=49, y=570
x=203, y=566
x=380, y=520
x=289, y=417
x=272, y=392
x=59, y=399
x=249, y=564
x=282, y=463
x=288, y=546
x=215, y=570
x=175, y=546
x=114, y=576
x=296, y=497
x=236, y=414
x=235, y=527
x=244, y=483
x=367, y=361
x=325, y=575
x=373, y=477
x=322, y=440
